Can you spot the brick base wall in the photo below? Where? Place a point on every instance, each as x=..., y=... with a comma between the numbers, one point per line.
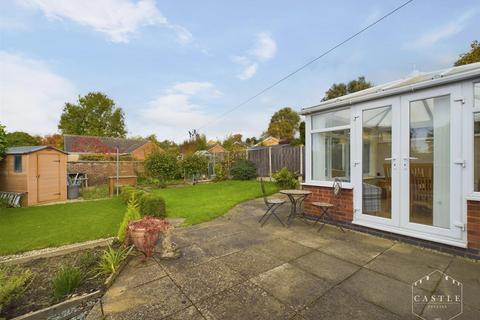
x=344, y=204
x=99, y=171
x=473, y=224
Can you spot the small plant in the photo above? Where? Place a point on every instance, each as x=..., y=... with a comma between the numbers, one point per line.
x=12, y=285
x=220, y=172
x=243, y=170
x=66, y=281
x=128, y=191
x=111, y=259
x=286, y=179
x=152, y=204
x=132, y=213
x=4, y=203
x=88, y=261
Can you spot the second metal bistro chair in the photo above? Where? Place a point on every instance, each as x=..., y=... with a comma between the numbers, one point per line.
x=271, y=204
x=326, y=206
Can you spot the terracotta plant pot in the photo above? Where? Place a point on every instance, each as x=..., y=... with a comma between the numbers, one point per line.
x=144, y=233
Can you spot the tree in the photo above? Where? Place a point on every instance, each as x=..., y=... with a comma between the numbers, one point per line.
x=54, y=140
x=471, y=56
x=341, y=89
x=284, y=124
x=3, y=142
x=20, y=139
x=195, y=142
x=95, y=114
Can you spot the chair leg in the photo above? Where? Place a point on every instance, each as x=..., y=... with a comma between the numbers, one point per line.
x=266, y=212
x=272, y=212
x=275, y=214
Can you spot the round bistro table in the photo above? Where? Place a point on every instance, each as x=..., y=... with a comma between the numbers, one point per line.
x=296, y=197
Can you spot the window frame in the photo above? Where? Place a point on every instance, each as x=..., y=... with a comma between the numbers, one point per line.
x=475, y=110
x=20, y=163
x=308, y=150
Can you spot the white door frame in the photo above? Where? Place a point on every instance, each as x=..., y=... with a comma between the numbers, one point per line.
x=399, y=223
x=357, y=165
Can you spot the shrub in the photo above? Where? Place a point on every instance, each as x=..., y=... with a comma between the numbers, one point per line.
x=105, y=157
x=243, y=170
x=99, y=192
x=220, y=172
x=128, y=192
x=162, y=166
x=111, y=259
x=12, y=286
x=66, y=281
x=132, y=213
x=152, y=204
x=4, y=203
x=194, y=165
x=286, y=179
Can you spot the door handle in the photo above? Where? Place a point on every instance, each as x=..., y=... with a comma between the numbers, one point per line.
x=394, y=162
x=406, y=160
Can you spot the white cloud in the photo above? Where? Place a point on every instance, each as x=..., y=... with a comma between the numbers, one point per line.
x=265, y=49
x=248, y=72
x=446, y=31
x=180, y=108
x=118, y=19
x=31, y=94
x=373, y=16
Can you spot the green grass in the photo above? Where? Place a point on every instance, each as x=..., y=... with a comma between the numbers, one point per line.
x=205, y=202
x=31, y=228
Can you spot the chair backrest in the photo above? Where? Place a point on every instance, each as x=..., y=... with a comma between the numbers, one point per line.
x=336, y=187
x=264, y=192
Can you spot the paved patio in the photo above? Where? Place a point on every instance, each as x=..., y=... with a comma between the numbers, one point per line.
x=233, y=269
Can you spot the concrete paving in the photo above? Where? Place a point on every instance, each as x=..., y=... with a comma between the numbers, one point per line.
x=231, y=268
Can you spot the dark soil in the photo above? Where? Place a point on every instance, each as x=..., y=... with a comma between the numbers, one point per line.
x=39, y=294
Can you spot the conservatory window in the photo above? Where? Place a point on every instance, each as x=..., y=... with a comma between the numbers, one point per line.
x=331, y=146
x=476, y=152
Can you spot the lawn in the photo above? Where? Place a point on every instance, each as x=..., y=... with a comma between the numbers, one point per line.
x=38, y=227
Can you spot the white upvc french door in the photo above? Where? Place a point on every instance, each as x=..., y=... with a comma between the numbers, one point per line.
x=407, y=164
x=431, y=164
x=375, y=164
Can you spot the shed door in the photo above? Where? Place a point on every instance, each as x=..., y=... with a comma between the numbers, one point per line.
x=48, y=177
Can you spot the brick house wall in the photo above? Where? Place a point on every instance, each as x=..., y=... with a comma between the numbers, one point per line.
x=99, y=171
x=344, y=210
x=473, y=224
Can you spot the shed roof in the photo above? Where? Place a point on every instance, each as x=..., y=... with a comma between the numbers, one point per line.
x=412, y=83
x=92, y=144
x=29, y=149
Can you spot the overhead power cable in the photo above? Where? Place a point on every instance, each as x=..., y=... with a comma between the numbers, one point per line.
x=351, y=37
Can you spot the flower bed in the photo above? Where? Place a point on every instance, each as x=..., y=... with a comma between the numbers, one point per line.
x=51, y=281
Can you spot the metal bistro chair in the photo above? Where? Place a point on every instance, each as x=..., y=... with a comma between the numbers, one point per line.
x=326, y=206
x=272, y=205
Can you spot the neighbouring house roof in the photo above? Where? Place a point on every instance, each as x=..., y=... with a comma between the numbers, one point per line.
x=269, y=140
x=217, y=149
x=413, y=83
x=91, y=144
x=29, y=149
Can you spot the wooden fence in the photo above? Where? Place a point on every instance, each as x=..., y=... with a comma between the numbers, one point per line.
x=271, y=159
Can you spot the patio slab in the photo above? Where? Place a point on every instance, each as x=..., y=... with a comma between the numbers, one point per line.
x=341, y=305
x=325, y=266
x=291, y=285
x=145, y=302
x=245, y=301
x=283, y=249
x=191, y=256
x=468, y=273
x=251, y=262
x=206, y=279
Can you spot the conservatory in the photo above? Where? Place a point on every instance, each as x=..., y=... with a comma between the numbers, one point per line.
x=407, y=153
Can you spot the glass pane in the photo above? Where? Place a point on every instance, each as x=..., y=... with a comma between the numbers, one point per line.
x=331, y=119
x=476, y=150
x=476, y=94
x=376, y=165
x=430, y=161
x=331, y=155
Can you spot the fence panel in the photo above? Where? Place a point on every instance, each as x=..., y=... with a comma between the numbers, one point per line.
x=271, y=159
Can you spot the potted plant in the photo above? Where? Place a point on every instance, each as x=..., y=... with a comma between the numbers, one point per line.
x=144, y=233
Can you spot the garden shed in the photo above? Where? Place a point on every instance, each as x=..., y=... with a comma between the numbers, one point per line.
x=38, y=172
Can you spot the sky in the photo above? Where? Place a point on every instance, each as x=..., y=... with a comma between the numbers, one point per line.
x=173, y=66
